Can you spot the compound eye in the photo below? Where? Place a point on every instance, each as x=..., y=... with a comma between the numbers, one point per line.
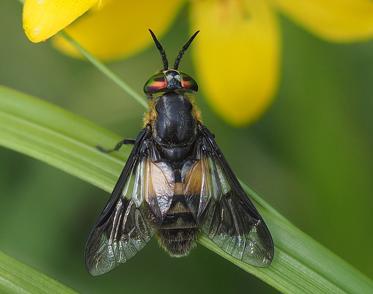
x=155, y=84
x=188, y=83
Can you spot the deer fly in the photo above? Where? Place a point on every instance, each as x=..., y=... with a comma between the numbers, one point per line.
x=177, y=185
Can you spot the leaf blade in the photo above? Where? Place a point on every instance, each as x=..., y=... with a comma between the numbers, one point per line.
x=66, y=141
x=16, y=277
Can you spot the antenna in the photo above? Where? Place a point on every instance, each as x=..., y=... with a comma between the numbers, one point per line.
x=182, y=51
x=160, y=49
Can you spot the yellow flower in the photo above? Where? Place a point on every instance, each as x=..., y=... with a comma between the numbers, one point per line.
x=236, y=55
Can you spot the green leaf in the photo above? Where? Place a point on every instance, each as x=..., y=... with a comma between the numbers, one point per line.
x=16, y=277
x=66, y=141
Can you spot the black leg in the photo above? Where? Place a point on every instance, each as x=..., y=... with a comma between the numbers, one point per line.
x=117, y=146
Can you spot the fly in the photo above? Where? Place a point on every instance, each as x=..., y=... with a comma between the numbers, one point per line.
x=177, y=185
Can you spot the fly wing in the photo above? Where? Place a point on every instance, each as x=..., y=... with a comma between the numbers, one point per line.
x=122, y=228
x=226, y=214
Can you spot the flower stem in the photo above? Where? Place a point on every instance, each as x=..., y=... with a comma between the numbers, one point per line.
x=105, y=70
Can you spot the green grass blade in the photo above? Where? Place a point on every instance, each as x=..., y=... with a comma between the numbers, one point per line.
x=16, y=277
x=66, y=141
x=106, y=71
x=103, y=69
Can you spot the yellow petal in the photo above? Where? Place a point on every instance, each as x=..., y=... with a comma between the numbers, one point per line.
x=335, y=20
x=236, y=56
x=44, y=18
x=120, y=28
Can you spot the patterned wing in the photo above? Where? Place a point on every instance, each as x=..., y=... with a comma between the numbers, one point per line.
x=122, y=229
x=225, y=213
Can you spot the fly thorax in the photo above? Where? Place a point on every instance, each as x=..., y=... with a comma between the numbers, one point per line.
x=175, y=127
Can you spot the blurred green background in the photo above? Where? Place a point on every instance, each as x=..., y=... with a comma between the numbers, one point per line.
x=310, y=156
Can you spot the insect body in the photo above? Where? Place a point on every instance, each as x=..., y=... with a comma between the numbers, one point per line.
x=176, y=184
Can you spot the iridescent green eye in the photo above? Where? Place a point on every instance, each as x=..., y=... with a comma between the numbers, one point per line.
x=188, y=83
x=155, y=84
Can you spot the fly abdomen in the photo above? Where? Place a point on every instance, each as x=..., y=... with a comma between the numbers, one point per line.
x=179, y=215
x=179, y=231
x=182, y=220
x=178, y=242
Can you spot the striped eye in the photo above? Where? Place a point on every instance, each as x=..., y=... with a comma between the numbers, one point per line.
x=169, y=80
x=188, y=83
x=155, y=84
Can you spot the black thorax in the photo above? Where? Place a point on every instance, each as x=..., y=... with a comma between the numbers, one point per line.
x=175, y=127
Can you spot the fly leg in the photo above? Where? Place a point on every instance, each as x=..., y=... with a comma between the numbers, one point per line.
x=117, y=146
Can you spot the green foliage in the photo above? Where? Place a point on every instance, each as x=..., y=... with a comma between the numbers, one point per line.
x=66, y=141
x=16, y=277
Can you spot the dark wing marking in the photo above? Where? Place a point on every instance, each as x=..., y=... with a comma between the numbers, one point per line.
x=122, y=228
x=229, y=218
